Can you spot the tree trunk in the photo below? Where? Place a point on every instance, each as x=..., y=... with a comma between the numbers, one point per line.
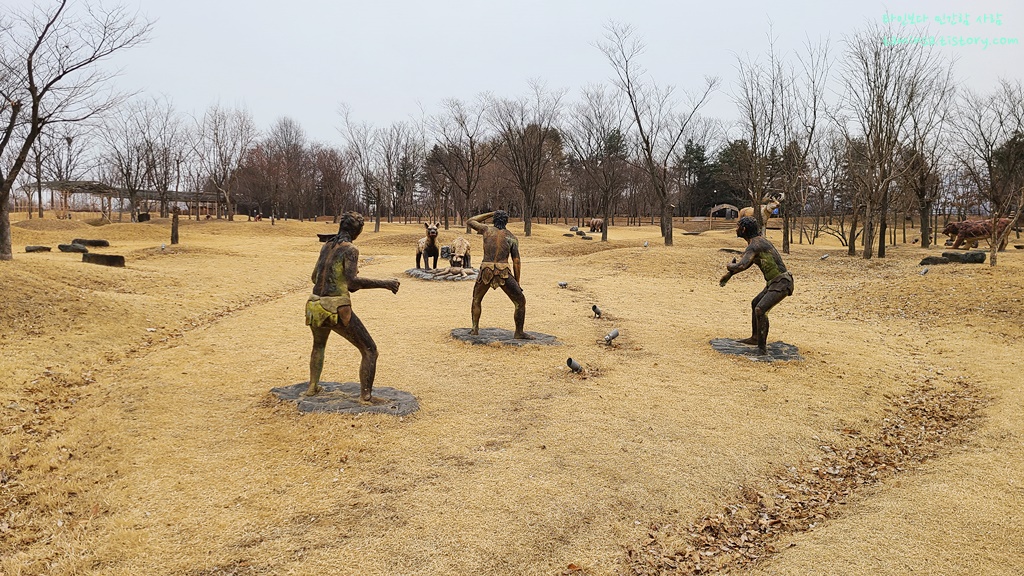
x=926, y=222
x=607, y=221
x=869, y=232
x=5, y=229
x=851, y=246
x=666, y=221
x=883, y=223
x=174, y=228
x=785, y=229
x=527, y=217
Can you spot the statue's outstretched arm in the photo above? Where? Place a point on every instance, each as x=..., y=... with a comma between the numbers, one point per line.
x=357, y=282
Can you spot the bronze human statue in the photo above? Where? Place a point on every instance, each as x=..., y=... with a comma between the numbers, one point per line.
x=335, y=276
x=499, y=245
x=779, y=282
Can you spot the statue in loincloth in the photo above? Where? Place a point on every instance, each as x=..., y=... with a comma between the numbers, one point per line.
x=499, y=246
x=779, y=282
x=329, y=309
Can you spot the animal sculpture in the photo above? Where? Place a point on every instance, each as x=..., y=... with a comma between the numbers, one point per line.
x=768, y=205
x=460, y=253
x=428, y=247
x=968, y=232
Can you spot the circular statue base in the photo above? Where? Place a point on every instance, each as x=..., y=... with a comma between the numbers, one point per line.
x=344, y=398
x=503, y=337
x=448, y=273
x=777, y=351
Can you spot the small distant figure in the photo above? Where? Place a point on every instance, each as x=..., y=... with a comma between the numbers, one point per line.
x=596, y=224
x=779, y=282
x=428, y=247
x=499, y=246
x=329, y=309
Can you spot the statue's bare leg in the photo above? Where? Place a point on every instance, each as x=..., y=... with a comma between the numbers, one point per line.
x=359, y=337
x=316, y=359
x=479, y=291
x=754, y=331
x=761, y=311
x=515, y=293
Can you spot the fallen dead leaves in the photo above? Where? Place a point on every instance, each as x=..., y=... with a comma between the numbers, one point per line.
x=921, y=424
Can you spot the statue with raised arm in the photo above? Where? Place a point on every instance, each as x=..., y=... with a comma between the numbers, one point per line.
x=335, y=276
x=499, y=246
x=779, y=282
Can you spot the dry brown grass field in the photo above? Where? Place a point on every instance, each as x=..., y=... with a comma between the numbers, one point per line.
x=138, y=434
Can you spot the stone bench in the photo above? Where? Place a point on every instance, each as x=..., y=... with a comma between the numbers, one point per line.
x=104, y=260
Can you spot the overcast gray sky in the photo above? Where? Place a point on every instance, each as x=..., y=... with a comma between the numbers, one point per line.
x=392, y=60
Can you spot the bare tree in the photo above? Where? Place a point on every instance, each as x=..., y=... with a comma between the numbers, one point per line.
x=410, y=172
x=165, y=147
x=224, y=136
x=527, y=128
x=762, y=95
x=335, y=179
x=659, y=128
x=125, y=151
x=394, y=145
x=884, y=87
x=288, y=147
x=67, y=161
x=802, y=110
x=991, y=152
x=928, y=146
x=462, y=132
x=825, y=190
x=596, y=134
x=50, y=74
x=439, y=185
x=362, y=141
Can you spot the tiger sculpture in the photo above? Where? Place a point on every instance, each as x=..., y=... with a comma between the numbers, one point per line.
x=968, y=232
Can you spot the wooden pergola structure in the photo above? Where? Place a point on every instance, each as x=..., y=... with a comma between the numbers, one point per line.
x=197, y=203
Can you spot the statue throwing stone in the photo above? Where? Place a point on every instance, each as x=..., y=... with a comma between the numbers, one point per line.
x=330, y=307
x=499, y=246
x=779, y=281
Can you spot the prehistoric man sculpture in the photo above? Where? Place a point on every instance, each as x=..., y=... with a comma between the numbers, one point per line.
x=779, y=281
x=499, y=245
x=330, y=308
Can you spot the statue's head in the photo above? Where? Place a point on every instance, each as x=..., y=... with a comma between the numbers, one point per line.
x=747, y=228
x=350, y=226
x=431, y=229
x=500, y=219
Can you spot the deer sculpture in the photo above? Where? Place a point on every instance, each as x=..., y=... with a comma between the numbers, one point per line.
x=768, y=205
